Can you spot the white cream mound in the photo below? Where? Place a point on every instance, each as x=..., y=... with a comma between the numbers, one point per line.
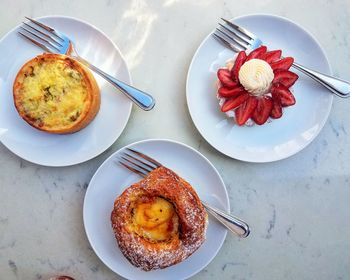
x=256, y=76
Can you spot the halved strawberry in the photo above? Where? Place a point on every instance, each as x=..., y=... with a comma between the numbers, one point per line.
x=230, y=92
x=283, y=95
x=272, y=56
x=224, y=76
x=285, y=77
x=257, y=53
x=276, y=111
x=245, y=111
x=241, y=58
x=263, y=110
x=282, y=64
x=234, y=102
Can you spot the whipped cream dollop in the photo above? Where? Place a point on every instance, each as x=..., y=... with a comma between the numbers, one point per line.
x=256, y=76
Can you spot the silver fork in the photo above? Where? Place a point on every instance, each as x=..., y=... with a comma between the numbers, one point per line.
x=238, y=38
x=54, y=41
x=142, y=164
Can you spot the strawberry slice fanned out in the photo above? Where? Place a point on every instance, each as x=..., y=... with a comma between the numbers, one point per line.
x=246, y=110
x=285, y=77
x=224, y=76
x=263, y=110
x=276, y=111
x=233, y=102
x=270, y=102
x=257, y=53
x=282, y=64
x=230, y=92
x=283, y=95
x=241, y=58
x=272, y=56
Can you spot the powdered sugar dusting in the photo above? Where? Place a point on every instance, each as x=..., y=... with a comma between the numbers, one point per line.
x=150, y=255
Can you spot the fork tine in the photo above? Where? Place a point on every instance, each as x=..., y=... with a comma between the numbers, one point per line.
x=37, y=43
x=133, y=169
x=47, y=28
x=156, y=163
x=40, y=38
x=233, y=40
x=239, y=37
x=42, y=33
x=138, y=163
x=141, y=161
x=224, y=41
x=240, y=29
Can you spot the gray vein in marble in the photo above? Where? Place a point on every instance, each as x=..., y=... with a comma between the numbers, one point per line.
x=338, y=128
x=249, y=192
x=4, y=221
x=22, y=164
x=299, y=244
x=54, y=267
x=95, y=268
x=200, y=142
x=307, y=186
x=11, y=244
x=231, y=264
x=272, y=222
x=53, y=209
x=48, y=192
x=13, y=267
x=315, y=158
x=289, y=232
x=81, y=187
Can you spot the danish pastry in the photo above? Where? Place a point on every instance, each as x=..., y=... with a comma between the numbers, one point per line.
x=56, y=94
x=159, y=221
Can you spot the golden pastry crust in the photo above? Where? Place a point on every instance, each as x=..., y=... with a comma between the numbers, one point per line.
x=186, y=238
x=56, y=94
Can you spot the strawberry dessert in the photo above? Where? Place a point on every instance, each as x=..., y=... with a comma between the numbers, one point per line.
x=256, y=86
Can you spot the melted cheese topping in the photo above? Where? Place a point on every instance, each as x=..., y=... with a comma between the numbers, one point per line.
x=155, y=219
x=256, y=76
x=53, y=93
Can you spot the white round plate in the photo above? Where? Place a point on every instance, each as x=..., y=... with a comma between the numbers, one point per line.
x=63, y=150
x=111, y=179
x=276, y=140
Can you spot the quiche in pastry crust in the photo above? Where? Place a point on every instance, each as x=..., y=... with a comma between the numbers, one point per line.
x=56, y=94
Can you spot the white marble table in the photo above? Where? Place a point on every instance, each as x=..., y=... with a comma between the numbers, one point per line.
x=298, y=208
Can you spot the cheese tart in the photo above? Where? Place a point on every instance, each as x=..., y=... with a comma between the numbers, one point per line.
x=159, y=221
x=56, y=94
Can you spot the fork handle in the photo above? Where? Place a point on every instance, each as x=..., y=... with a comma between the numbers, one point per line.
x=140, y=98
x=231, y=222
x=339, y=87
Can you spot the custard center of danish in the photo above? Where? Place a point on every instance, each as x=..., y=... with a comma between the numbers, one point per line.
x=155, y=219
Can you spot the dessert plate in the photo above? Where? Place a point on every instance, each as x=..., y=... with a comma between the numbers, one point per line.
x=111, y=179
x=63, y=150
x=276, y=140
